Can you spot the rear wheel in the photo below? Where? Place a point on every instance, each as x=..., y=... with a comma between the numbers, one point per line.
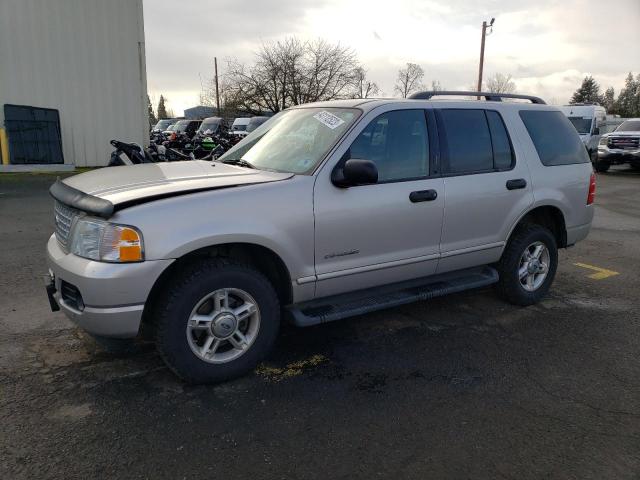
x=217, y=321
x=528, y=265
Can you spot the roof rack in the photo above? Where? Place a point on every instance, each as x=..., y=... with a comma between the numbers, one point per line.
x=488, y=96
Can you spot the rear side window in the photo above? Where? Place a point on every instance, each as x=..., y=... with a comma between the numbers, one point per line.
x=554, y=137
x=474, y=141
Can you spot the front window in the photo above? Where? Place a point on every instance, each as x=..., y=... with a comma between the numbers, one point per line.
x=240, y=128
x=162, y=124
x=294, y=141
x=255, y=122
x=209, y=125
x=629, y=126
x=582, y=124
x=397, y=143
x=181, y=126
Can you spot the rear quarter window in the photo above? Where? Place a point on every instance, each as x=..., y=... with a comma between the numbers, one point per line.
x=554, y=137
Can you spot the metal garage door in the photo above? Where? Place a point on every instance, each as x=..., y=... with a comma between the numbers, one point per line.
x=34, y=134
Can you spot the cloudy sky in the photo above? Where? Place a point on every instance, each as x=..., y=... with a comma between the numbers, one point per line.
x=547, y=46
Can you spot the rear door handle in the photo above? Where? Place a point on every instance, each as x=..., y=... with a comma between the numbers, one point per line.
x=516, y=184
x=423, y=196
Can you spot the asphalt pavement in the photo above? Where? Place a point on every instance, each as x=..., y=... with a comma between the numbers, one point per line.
x=464, y=386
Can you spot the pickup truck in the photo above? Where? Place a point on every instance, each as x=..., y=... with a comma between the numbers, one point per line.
x=620, y=146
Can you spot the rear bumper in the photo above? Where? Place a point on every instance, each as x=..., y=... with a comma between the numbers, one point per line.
x=575, y=234
x=113, y=295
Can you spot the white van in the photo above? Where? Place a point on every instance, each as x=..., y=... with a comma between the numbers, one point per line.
x=587, y=119
x=239, y=126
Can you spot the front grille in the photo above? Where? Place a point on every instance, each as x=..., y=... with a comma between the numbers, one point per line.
x=624, y=142
x=64, y=217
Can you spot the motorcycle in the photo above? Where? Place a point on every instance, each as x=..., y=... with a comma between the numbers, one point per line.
x=134, y=154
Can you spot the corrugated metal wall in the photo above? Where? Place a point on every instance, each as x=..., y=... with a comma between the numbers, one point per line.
x=83, y=57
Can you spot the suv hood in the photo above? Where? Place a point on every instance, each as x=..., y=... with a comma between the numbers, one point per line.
x=123, y=186
x=622, y=134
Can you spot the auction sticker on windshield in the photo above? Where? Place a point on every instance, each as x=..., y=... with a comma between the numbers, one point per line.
x=328, y=119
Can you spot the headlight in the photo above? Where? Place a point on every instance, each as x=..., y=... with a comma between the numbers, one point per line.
x=603, y=141
x=106, y=242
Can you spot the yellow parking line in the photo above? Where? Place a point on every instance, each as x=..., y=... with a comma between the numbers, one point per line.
x=601, y=273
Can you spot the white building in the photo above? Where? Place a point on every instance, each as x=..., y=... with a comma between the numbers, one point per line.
x=84, y=58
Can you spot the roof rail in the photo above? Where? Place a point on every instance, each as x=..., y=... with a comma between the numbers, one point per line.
x=489, y=96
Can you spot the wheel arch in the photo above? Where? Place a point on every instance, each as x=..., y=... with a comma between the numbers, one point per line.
x=265, y=260
x=548, y=216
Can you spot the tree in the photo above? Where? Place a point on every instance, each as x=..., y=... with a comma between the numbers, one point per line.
x=162, y=109
x=364, y=88
x=501, y=83
x=409, y=80
x=436, y=86
x=628, y=102
x=589, y=92
x=609, y=100
x=150, y=114
x=291, y=72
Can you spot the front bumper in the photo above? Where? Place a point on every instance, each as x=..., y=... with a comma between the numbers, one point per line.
x=616, y=155
x=113, y=294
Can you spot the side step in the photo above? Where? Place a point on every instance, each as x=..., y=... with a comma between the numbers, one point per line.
x=364, y=301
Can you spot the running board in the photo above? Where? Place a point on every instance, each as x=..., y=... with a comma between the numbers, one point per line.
x=364, y=301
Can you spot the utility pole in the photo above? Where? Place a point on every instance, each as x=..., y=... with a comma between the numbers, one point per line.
x=215, y=66
x=484, y=35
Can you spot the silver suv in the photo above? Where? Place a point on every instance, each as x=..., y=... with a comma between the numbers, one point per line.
x=326, y=211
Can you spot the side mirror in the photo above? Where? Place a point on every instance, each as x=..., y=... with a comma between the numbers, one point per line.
x=596, y=131
x=355, y=172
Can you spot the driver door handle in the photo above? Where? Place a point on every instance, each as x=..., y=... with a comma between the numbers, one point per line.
x=423, y=196
x=516, y=184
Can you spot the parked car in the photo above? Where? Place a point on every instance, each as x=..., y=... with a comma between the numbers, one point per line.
x=188, y=127
x=621, y=146
x=587, y=118
x=325, y=211
x=213, y=125
x=163, y=124
x=239, y=126
x=255, y=122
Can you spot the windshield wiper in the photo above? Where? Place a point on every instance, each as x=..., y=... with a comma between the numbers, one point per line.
x=238, y=161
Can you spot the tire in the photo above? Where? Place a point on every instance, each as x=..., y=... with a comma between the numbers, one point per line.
x=510, y=286
x=600, y=166
x=181, y=339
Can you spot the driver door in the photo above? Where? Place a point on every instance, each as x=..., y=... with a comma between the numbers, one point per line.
x=387, y=232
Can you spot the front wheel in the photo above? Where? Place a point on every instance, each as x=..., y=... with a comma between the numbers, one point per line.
x=528, y=265
x=217, y=321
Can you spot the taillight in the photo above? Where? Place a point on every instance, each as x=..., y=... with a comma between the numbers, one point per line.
x=592, y=189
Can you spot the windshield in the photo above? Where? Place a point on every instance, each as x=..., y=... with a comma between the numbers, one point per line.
x=209, y=125
x=629, y=126
x=255, y=122
x=181, y=126
x=162, y=124
x=294, y=141
x=239, y=128
x=582, y=124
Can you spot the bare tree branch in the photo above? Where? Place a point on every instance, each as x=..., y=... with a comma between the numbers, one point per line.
x=500, y=83
x=409, y=80
x=291, y=72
